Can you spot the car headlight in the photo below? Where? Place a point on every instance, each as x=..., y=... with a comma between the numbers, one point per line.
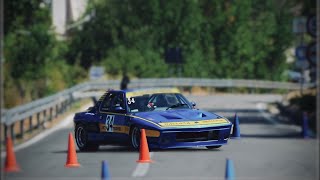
x=231, y=130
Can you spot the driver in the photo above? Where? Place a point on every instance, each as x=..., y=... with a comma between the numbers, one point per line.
x=161, y=101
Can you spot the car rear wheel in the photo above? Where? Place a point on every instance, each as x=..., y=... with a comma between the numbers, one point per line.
x=213, y=147
x=135, y=137
x=81, y=136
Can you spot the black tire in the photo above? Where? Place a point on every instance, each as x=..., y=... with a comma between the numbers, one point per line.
x=81, y=136
x=213, y=147
x=135, y=137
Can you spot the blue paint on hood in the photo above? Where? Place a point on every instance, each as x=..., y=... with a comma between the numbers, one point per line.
x=177, y=115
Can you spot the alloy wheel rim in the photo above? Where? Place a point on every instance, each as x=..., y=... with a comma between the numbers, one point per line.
x=80, y=137
x=135, y=137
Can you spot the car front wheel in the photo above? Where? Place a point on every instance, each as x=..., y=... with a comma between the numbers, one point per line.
x=135, y=137
x=81, y=136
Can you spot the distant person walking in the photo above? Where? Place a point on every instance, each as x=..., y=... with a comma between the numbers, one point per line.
x=125, y=81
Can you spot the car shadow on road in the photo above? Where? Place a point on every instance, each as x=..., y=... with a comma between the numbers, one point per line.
x=111, y=148
x=280, y=128
x=250, y=116
x=126, y=149
x=102, y=149
x=185, y=150
x=293, y=135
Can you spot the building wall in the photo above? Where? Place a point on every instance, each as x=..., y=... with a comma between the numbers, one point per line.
x=65, y=12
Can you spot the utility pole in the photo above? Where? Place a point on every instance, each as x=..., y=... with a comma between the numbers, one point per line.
x=1, y=71
x=318, y=87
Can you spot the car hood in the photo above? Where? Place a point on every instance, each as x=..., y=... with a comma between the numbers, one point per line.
x=182, y=117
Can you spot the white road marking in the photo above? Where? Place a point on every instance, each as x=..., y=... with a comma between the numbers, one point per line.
x=261, y=107
x=63, y=124
x=141, y=169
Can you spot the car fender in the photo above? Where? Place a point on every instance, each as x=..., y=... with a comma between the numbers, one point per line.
x=144, y=123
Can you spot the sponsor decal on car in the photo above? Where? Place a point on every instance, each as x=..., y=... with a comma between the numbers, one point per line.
x=195, y=123
x=115, y=128
x=126, y=130
x=109, y=123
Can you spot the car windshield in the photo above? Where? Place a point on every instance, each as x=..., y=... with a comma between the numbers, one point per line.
x=157, y=102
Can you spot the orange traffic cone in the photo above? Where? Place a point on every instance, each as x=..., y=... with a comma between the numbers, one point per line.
x=72, y=160
x=10, y=164
x=144, y=156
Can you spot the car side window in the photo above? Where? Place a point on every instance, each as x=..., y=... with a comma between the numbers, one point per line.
x=107, y=102
x=118, y=102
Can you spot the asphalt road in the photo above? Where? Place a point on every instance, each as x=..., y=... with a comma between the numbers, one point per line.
x=269, y=149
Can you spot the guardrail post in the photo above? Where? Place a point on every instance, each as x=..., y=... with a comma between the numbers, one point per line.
x=44, y=118
x=69, y=103
x=66, y=105
x=63, y=107
x=38, y=120
x=21, y=128
x=12, y=134
x=60, y=108
x=50, y=114
x=5, y=131
x=30, y=123
x=45, y=115
x=71, y=100
x=57, y=111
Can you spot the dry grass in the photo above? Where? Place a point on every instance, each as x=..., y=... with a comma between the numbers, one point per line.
x=297, y=93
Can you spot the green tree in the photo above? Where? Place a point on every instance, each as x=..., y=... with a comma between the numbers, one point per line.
x=246, y=36
x=34, y=59
x=219, y=39
x=27, y=45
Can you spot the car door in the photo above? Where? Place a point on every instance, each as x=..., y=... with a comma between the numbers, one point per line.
x=112, y=115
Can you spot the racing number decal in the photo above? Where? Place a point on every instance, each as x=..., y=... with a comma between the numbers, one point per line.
x=109, y=123
x=131, y=100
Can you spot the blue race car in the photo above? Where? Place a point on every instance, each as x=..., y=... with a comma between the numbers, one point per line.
x=169, y=119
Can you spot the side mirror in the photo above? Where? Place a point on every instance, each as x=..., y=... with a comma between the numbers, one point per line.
x=193, y=104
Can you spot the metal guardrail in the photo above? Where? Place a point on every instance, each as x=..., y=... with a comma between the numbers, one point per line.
x=189, y=82
x=58, y=103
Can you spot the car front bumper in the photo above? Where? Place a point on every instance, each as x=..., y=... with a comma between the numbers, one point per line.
x=192, y=137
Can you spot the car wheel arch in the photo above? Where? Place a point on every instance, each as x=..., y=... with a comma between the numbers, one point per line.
x=84, y=144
